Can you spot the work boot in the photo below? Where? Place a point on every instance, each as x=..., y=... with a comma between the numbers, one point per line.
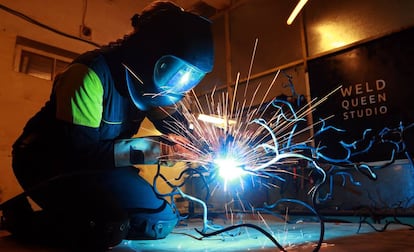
x=17, y=216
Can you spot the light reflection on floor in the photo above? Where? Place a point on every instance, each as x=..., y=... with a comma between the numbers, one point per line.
x=300, y=236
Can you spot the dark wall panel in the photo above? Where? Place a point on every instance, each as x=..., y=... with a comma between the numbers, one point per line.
x=377, y=91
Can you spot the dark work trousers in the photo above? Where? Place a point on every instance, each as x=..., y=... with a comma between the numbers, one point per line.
x=96, y=208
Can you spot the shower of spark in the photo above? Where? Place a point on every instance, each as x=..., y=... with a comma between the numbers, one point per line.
x=234, y=138
x=239, y=140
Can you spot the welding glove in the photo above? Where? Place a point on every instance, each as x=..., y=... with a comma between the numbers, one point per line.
x=144, y=150
x=150, y=150
x=179, y=148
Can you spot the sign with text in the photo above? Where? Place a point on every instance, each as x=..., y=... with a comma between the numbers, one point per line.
x=376, y=81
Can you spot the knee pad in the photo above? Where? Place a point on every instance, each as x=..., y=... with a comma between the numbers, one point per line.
x=151, y=229
x=152, y=224
x=102, y=234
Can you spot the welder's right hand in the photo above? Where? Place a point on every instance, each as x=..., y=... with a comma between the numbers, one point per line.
x=178, y=148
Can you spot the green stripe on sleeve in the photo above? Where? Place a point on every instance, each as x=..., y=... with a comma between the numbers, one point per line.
x=79, y=96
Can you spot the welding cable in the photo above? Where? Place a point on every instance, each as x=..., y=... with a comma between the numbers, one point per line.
x=322, y=223
x=382, y=229
x=226, y=229
x=188, y=170
x=397, y=221
x=407, y=154
x=314, y=194
x=191, y=171
x=154, y=184
x=377, y=219
x=200, y=173
x=174, y=187
x=35, y=22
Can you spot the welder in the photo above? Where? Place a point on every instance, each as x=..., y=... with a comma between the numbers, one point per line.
x=75, y=158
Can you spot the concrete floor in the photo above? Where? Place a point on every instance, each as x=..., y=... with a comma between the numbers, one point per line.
x=300, y=236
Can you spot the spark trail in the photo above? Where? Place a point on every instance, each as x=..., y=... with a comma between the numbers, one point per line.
x=245, y=139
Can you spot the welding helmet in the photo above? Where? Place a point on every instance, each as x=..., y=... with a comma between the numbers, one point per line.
x=179, y=54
